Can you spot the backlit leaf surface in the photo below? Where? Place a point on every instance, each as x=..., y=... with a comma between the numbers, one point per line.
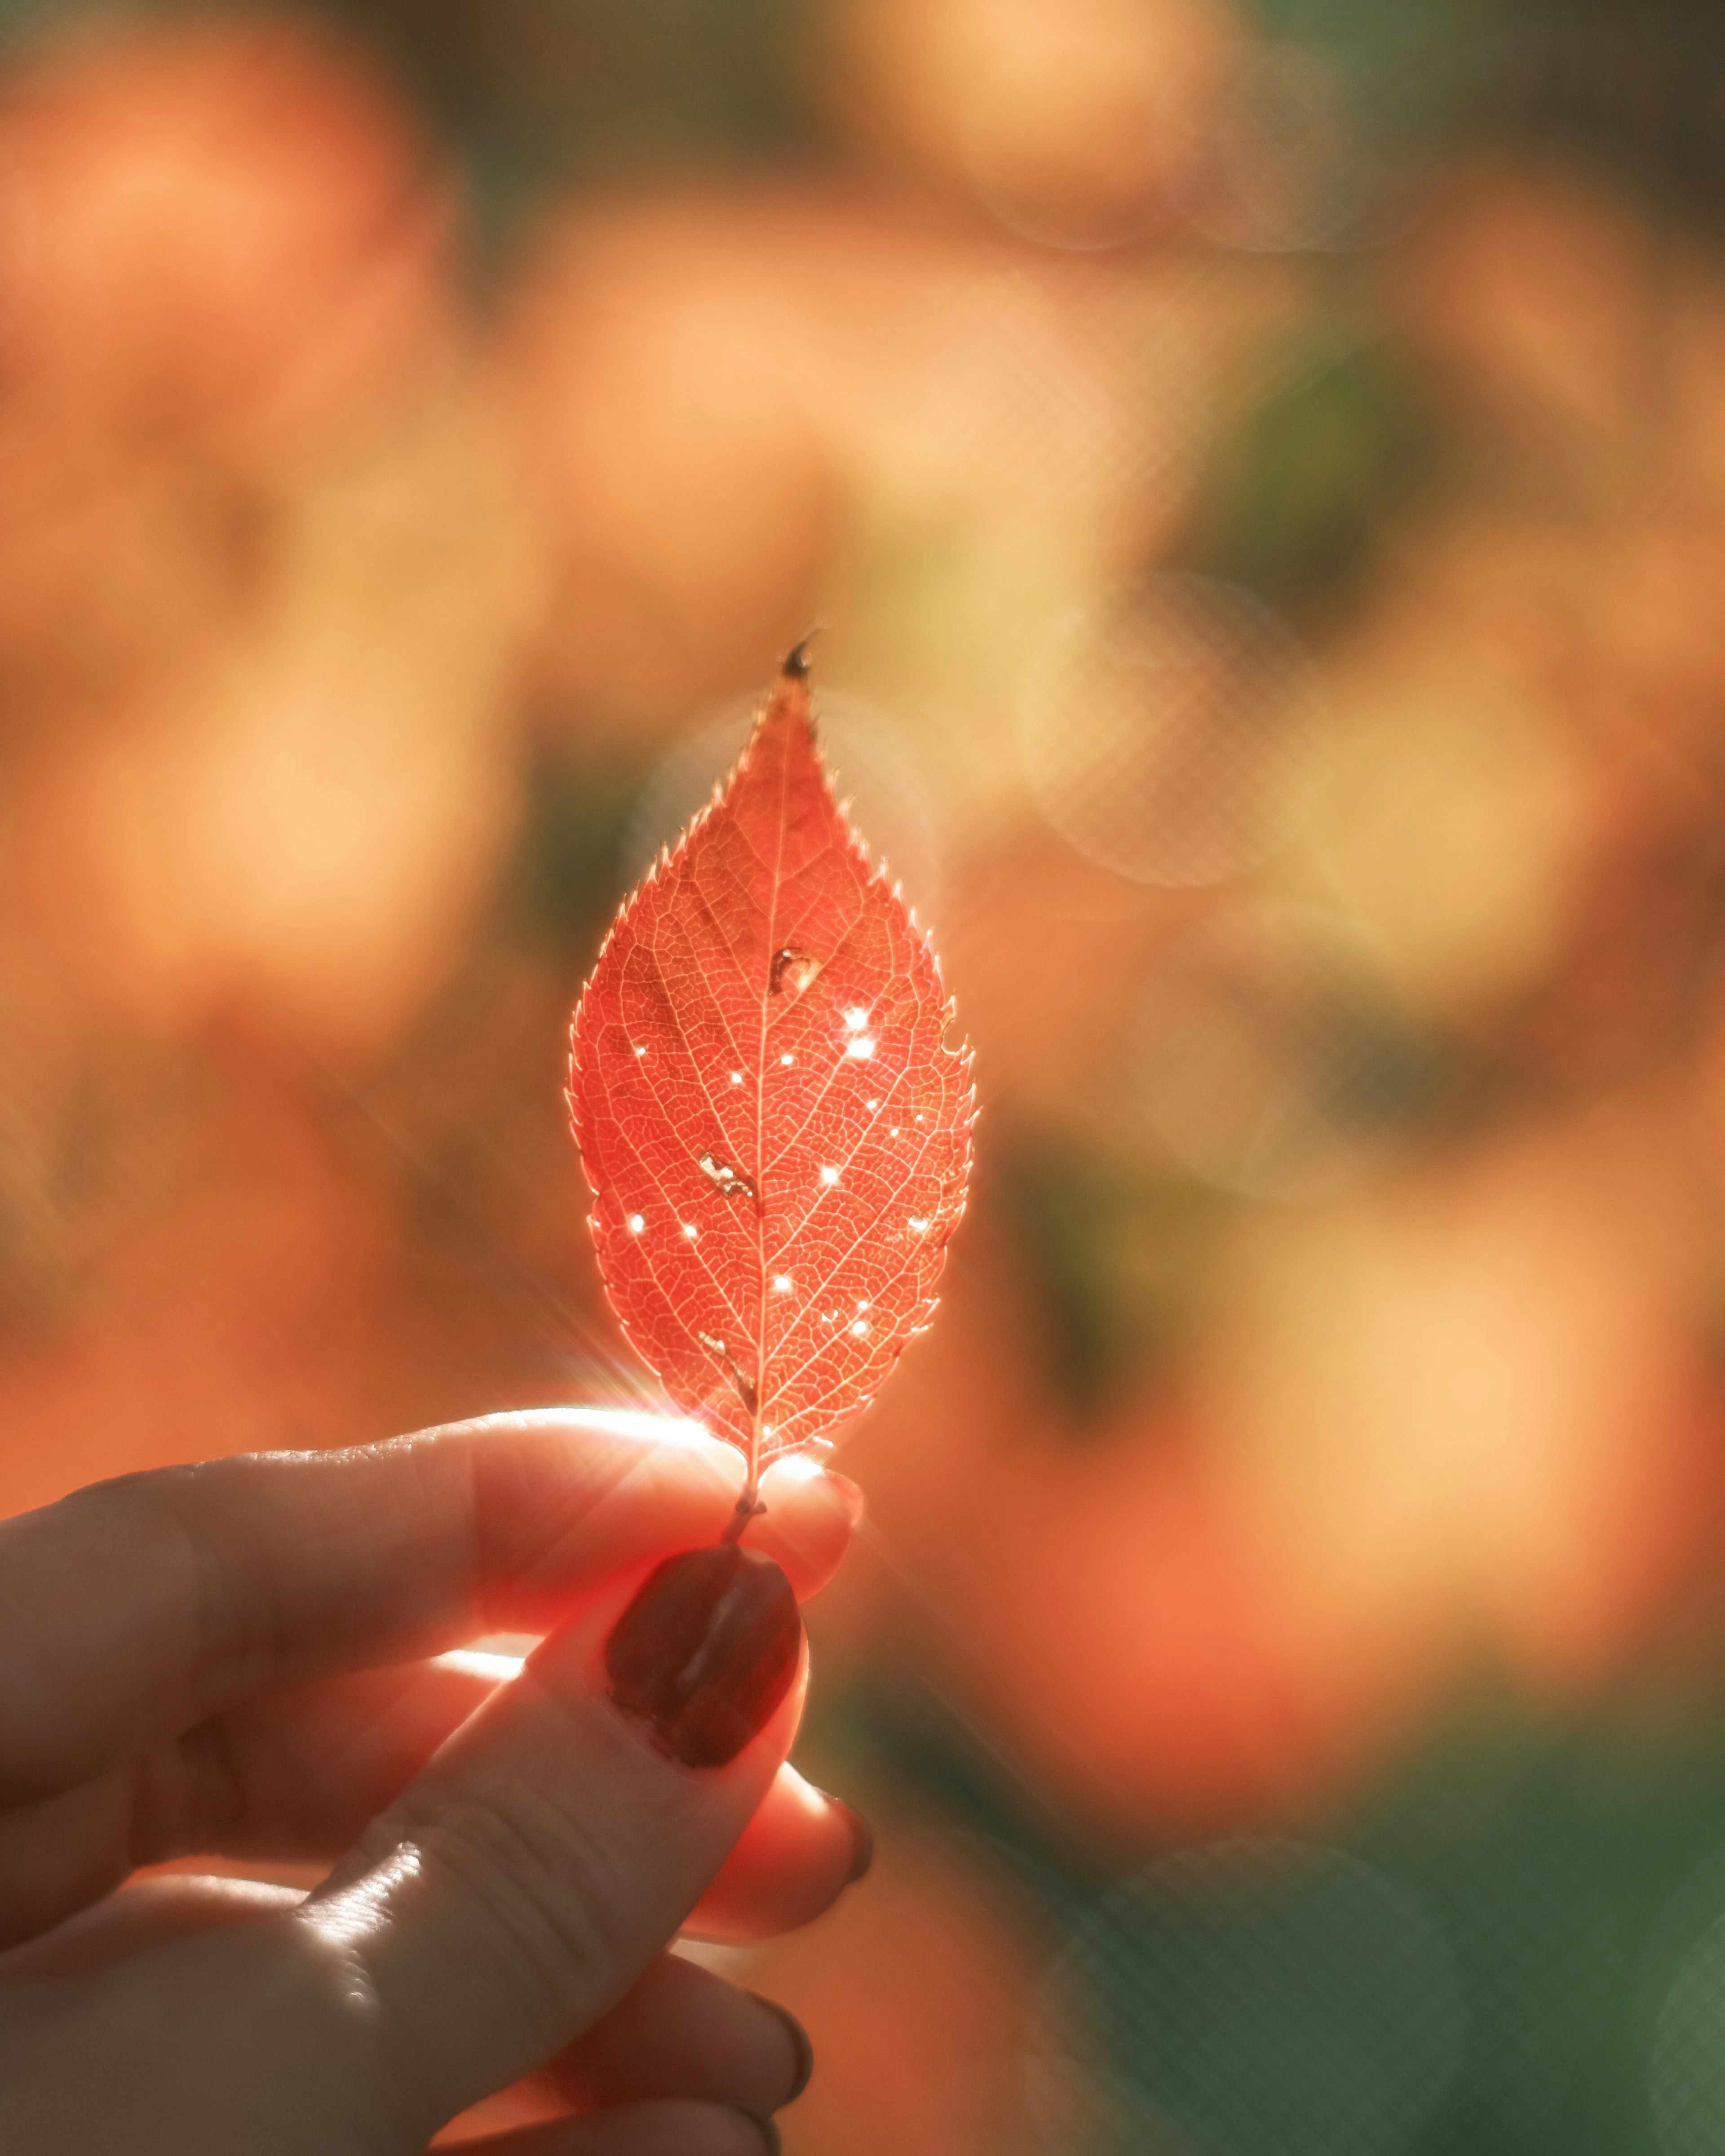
x=777, y=1136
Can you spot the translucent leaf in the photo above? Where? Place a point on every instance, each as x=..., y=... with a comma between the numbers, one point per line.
x=776, y=1134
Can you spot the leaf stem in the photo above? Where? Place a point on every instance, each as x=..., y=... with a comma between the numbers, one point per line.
x=749, y=1508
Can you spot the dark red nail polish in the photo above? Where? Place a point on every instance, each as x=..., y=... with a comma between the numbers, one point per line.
x=768, y=2132
x=800, y=2045
x=855, y=1504
x=862, y=1838
x=705, y=1652
x=863, y=1835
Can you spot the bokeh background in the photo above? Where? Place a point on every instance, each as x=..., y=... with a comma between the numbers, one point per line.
x=1261, y=465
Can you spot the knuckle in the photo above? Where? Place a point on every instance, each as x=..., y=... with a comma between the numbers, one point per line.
x=538, y=1887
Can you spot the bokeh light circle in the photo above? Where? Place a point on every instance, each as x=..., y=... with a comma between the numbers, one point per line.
x=1052, y=391
x=872, y=765
x=1170, y=731
x=1252, y=1997
x=1271, y=1057
x=1285, y=172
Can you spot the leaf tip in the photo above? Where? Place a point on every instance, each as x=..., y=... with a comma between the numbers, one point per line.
x=794, y=667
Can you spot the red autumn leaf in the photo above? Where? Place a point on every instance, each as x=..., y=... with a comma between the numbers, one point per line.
x=777, y=1136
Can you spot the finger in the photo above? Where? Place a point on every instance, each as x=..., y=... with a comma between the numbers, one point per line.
x=643, y=2129
x=811, y=1515
x=307, y=1787
x=62, y=1853
x=794, y=1859
x=522, y=1885
x=147, y=1915
x=297, y=1774
x=683, y=2031
x=221, y=1580
x=300, y=1775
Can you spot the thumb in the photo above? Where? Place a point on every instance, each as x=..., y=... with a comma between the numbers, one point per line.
x=521, y=1883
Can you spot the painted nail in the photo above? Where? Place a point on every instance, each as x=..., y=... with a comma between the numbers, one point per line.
x=863, y=1842
x=705, y=1652
x=855, y=1504
x=799, y=2043
x=767, y=2130
x=862, y=1838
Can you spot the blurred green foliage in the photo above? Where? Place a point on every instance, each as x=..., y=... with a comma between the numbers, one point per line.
x=1296, y=495
x=1110, y=1255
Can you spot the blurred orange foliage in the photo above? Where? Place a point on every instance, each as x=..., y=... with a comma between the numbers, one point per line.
x=349, y=598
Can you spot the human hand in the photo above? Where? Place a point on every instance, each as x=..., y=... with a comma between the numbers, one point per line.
x=234, y=1658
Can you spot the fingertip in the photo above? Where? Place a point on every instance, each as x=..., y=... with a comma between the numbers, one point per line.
x=801, y=2050
x=705, y=1651
x=862, y=1840
x=667, y=2128
x=797, y=1856
x=764, y=2127
x=811, y=1515
x=856, y=1505
x=577, y=1493
x=806, y=1471
x=684, y=2031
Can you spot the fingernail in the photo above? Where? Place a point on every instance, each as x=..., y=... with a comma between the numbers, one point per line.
x=768, y=2130
x=705, y=1652
x=855, y=1504
x=799, y=2043
x=863, y=1838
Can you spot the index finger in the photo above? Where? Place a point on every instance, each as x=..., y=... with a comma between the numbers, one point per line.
x=138, y=1609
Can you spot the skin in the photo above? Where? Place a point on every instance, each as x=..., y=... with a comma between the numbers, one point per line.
x=237, y=1658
